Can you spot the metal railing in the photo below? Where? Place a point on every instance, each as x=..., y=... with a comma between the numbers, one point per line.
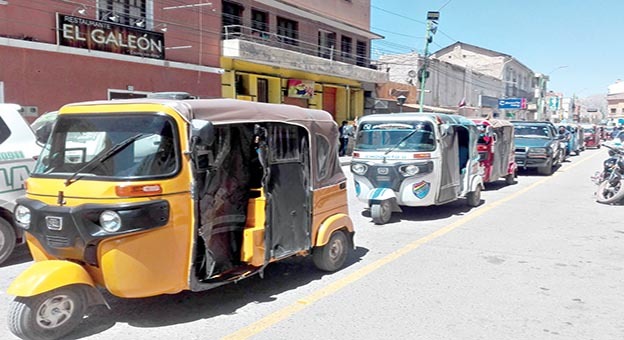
x=289, y=43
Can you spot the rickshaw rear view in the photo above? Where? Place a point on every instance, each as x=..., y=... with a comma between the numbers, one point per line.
x=149, y=197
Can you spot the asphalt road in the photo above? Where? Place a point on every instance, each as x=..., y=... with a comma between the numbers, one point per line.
x=537, y=260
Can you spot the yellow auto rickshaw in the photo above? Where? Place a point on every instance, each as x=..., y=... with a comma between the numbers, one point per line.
x=149, y=196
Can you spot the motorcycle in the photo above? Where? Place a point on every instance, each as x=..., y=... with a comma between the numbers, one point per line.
x=610, y=180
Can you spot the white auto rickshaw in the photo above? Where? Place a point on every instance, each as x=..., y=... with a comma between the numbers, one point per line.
x=416, y=159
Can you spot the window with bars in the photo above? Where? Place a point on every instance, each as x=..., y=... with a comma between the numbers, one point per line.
x=326, y=44
x=362, y=53
x=259, y=20
x=288, y=30
x=232, y=15
x=346, y=47
x=125, y=12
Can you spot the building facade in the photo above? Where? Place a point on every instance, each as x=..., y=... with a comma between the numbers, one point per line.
x=56, y=52
x=296, y=52
x=300, y=53
x=615, y=101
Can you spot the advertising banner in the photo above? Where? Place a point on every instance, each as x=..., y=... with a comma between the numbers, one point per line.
x=109, y=37
x=299, y=88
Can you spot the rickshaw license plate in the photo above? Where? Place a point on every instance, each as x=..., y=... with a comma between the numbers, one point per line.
x=54, y=222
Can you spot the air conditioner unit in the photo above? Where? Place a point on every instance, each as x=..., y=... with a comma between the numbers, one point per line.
x=30, y=111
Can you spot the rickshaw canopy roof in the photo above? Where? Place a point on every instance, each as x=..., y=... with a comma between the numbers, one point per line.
x=232, y=111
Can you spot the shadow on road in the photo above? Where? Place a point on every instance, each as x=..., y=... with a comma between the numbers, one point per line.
x=429, y=213
x=189, y=306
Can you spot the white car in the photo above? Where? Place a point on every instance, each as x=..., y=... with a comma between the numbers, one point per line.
x=18, y=150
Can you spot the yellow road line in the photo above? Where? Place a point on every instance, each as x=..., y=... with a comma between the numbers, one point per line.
x=335, y=286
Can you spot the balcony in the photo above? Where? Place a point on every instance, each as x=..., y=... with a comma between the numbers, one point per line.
x=248, y=44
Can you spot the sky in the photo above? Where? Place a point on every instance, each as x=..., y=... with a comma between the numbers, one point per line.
x=579, y=44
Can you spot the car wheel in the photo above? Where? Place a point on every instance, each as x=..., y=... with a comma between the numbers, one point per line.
x=50, y=315
x=7, y=239
x=546, y=170
x=332, y=256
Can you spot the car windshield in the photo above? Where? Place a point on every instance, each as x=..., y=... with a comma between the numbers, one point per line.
x=385, y=135
x=532, y=131
x=135, y=146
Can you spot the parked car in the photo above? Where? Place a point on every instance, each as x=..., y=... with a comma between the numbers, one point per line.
x=537, y=146
x=18, y=148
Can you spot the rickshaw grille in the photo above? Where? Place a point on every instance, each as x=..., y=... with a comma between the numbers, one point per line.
x=58, y=241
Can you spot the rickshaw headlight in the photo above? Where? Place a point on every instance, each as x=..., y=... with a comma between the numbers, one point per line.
x=22, y=216
x=410, y=170
x=110, y=221
x=359, y=168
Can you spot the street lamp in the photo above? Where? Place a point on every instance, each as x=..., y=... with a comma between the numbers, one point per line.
x=401, y=100
x=432, y=27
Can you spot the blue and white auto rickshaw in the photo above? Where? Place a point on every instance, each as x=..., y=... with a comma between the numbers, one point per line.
x=415, y=159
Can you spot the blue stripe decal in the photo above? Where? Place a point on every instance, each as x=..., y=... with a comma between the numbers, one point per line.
x=378, y=192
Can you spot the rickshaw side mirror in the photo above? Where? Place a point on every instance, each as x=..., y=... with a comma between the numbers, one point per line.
x=444, y=130
x=202, y=132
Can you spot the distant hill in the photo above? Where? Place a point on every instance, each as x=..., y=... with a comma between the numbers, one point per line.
x=596, y=101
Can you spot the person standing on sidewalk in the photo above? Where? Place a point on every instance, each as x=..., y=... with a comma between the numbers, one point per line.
x=344, y=138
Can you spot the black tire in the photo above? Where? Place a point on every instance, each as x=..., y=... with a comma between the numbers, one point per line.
x=510, y=179
x=332, y=256
x=598, y=147
x=382, y=212
x=546, y=170
x=608, y=194
x=473, y=198
x=47, y=316
x=7, y=240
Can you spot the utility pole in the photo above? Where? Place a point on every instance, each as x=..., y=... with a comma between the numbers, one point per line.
x=432, y=26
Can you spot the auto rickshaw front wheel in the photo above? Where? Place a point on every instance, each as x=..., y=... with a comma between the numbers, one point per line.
x=332, y=255
x=49, y=315
x=381, y=212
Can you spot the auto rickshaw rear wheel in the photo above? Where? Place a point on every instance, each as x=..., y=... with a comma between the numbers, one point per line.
x=510, y=178
x=50, y=315
x=332, y=256
x=381, y=212
x=7, y=240
x=474, y=197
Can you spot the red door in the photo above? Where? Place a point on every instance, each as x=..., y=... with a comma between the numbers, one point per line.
x=329, y=100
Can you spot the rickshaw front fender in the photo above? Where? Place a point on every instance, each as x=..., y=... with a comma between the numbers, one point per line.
x=379, y=195
x=331, y=224
x=45, y=276
x=477, y=181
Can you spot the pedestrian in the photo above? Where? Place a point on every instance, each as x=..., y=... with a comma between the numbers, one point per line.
x=344, y=138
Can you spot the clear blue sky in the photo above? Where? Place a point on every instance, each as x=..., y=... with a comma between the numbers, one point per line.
x=586, y=36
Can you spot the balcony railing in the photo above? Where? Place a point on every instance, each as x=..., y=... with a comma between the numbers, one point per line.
x=292, y=44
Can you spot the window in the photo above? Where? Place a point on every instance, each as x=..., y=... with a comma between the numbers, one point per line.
x=362, y=53
x=288, y=30
x=345, y=47
x=284, y=144
x=613, y=111
x=232, y=15
x=326, y=44
x=259, y=21
x=125, y=12
x=322, y=155
x=5, y=132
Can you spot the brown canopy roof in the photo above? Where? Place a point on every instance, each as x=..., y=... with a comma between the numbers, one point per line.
x=232, y=111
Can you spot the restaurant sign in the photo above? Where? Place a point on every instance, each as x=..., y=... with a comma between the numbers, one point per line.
x=110, y=37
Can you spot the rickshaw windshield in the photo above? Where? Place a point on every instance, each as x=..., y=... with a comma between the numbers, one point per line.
x=388, y=135
x=589, y=130
x=118, y=145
